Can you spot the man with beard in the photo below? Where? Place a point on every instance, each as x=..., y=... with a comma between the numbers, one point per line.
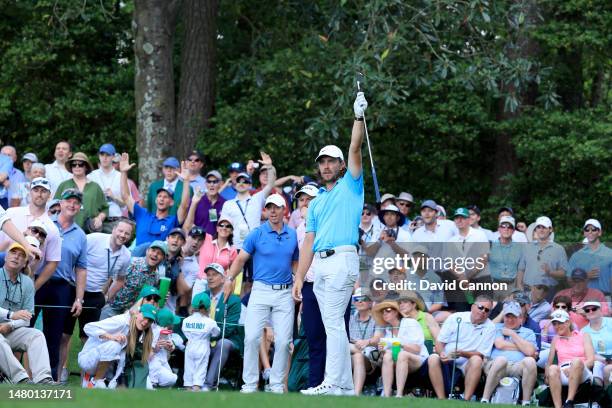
x=330, y=246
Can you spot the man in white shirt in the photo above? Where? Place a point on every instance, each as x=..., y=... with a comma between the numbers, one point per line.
x=517, y=236
x=475, y=221
x=56, y=172
x=434, y=233
x=109, y=181
x=22, y=217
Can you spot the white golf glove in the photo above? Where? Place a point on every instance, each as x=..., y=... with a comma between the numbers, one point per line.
x=360, y=105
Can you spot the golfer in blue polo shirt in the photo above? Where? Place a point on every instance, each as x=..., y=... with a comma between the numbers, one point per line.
x=331, y=239
x=274, y=249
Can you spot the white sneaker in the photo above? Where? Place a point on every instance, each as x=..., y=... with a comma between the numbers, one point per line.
x=204, y=389
x=64, y=376
x=248, y=389
x=100, y=384
x=323, y=389
x=274, y=390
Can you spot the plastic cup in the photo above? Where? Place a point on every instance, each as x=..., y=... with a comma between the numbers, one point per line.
x=164, y=286
x=396, y=347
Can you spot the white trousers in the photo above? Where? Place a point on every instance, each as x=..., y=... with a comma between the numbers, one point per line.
x=31, y=341
x=196, y=363
x=335, y=278
x=266, y=302
x=160, y=373
x=90, y=358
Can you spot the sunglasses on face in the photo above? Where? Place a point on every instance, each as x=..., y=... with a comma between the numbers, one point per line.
x=357, y=299
x=366, y=213
x=54, y=212
x=540, y=287
x=243, y=181
x=388, y=310
x=483, y=309
x=506, y=226
x=587, y=229
x=151, y=298
x=77, y=164
x=226, y=226
x=591, y=309
x=37, y=231
x=401, y=204
x=564, y=307
x=194, y=160
x=212, y=182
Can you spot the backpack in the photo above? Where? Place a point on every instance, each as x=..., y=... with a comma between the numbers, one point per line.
x=507, y=392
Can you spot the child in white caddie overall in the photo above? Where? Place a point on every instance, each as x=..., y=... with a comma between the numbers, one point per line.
x=198, y=328
x=160, y=373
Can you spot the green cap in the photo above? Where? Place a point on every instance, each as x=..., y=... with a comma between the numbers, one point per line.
x=201, y=300
x=160, y=245
x=461, y=212
x=72, y=193
x=148, y=290
x=149, y=311
x=166, y=318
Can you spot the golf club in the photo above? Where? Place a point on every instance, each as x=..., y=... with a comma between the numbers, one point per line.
x=451, y=394
x=220, y=342
x=365, y=126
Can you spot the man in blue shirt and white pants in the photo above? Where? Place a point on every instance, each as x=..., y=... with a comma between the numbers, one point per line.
x=274, y=249
x=330, y=246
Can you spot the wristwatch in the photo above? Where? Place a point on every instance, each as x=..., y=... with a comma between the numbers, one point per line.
x=230, y=278
x=81, y=301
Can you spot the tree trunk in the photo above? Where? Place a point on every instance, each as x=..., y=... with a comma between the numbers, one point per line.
x=597, y=89
x=198, y=57
x=154, y=26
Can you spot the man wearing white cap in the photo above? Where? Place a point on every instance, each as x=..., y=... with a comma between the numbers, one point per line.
x=545, y=261
x=330, y=246
x=595, y=258
x=513, y=354
x=23, y=217
x=273, y=247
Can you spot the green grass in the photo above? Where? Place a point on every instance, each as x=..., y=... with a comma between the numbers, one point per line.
x=177, y=398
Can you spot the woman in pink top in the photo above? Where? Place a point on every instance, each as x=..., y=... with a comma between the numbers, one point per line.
x=219, y=248
x=575, y=358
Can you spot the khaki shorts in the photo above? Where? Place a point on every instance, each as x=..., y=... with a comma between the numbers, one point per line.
x=513, y=369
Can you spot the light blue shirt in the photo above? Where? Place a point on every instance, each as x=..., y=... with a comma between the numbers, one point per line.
x=505, y=260
x=74, y=252
x=273, y=254
x=513, y=356
x=334, y=215
x=602, y=339
x=587, y=259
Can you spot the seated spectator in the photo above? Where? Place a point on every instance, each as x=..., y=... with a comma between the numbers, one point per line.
x=140, y=272
x=525, y=302
x=513, y=354
x=579, y=292
x=433, y=298
x=595, y=258
x=16, y=308
x=364, y=351
x=575, y=357
x=411, y=305
x=600, y=330
x=95, y=207
x=540, y=308
x=108, y=338
x=467, y=337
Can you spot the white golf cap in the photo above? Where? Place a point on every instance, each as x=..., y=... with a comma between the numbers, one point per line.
x=39, y=224
x=33, y=241
x=31, y=157
x=506, y=219
x=591, y=303
x=544, y=221
x=41, y=182
x=309, y=190
x=331, y=151
x=593, y=222
x=386, y=197
x=215, y=174
x=440, y=210
x=559, y=316
x=421, y=249
x=405, y=197
x=275, y=199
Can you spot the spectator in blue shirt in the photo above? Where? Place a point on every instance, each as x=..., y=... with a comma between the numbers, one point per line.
x=595, y=258
x=153, y=227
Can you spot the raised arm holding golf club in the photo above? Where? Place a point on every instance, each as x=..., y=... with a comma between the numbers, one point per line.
x=330, y=246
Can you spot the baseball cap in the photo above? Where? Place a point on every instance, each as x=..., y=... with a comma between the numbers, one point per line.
x=505, y=208
x=421, y=249
x=39, y=224
x=506, y=219
x=474, y=208
x=461, y=212
x=196, y=153
x=405, y=197
x=544, y=221
x=166, y=318
x=386, y=197
x=429, y=204
x=116, y=158
x=172, y=162
x=441, y=210
x=108, y=149
x=309, y=190
x=161, y=245
x=148, y=290
x=579, y=274
x=16, y=245
x=53, y=202
x=33, y=241
x=275, y=199
x=359, y=293
x=235, y=166
x=215, y=174
x=149, y=311
x=31, y=157
x=511, y=308
x=216, y=267
x=245, y=176
x=593, y=222
x=41, y=182
x=591, y=303
x=196, y=231
x=168, y=191
x=370, y=208
x=331, y=151
x=559, y=316
x=201, y=300
x=72, y=193
x=179, y=231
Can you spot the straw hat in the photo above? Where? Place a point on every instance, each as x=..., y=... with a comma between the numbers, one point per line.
x=79, y=156
x=377, y=311
x=413, y=296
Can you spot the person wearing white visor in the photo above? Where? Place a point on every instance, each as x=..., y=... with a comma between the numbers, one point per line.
x=330, y=248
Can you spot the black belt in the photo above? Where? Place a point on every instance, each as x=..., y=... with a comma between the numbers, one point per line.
x=327, y=253
x=113, y=219
x=281, y=286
